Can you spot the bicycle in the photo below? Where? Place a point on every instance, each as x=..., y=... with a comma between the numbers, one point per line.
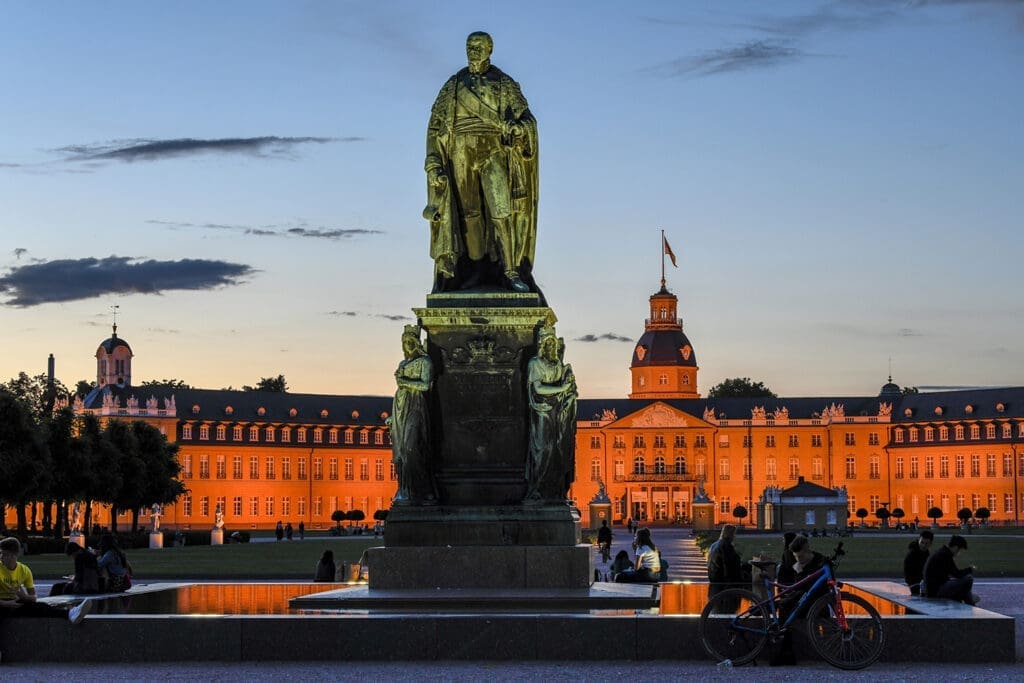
x=843, y=628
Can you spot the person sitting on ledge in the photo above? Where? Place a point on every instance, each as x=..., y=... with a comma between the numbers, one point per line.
x=620, y=564
x=942, y=578
x=325, y=568
x=86, y=578
x=648, y=562
x=18, y=590
x=913, y=563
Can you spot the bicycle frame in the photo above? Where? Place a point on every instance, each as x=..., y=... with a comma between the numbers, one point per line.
x=777, y=592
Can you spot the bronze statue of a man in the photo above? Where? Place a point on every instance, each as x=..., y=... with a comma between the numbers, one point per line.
x=481, y=169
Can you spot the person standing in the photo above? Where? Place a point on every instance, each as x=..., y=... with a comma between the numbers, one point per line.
x=302, y=530
x=482, y=180
x=913, y=563
x=725, y=568
x=288, y=531
x=604, y=540
x=279, y=530
x=943, y=579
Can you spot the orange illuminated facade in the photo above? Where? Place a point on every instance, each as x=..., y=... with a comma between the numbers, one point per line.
x=264, y=457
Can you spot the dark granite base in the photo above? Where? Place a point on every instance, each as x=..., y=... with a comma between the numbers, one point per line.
x=548, y=525
x=506, y=567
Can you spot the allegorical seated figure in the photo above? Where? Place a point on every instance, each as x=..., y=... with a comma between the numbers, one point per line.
x=551, y=388
x=481, y=167
x=410, y=423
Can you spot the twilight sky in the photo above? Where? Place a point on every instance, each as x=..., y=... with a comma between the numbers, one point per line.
x=841, y=182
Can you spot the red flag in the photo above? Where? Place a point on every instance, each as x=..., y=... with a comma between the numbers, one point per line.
x=668, y=251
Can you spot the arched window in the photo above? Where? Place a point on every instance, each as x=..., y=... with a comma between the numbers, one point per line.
x=680, y=464
x=659, y=465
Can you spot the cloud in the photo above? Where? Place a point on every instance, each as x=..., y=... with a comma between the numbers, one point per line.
x=86, y=278
x=607, y=336
x=19, y=252
x=9, y=165
x=754, y=54
x=396, y=317
x=299, y=229
x=270, y=146
x=908, y=332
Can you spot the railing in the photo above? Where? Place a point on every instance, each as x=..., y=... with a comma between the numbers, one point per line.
x=656, y=477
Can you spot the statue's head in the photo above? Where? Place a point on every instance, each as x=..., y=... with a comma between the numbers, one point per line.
x=411, y=341
x=547, y=343
x=479, y=47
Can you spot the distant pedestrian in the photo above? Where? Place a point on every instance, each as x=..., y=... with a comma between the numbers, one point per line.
x=302, y=530
x=288, y=531
x=604, y=540
x=279, y=530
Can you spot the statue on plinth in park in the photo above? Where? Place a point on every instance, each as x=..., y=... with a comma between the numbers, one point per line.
x=218, y=518
x=410, y=423
x=551, y=387
x=482, y=184
x=155, y=512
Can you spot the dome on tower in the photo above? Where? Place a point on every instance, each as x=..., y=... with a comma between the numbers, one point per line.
x=663, y=347
x=108, y=345
x=890, y=390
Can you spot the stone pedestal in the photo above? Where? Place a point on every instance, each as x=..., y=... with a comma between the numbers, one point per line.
x=217, y=537
x=156, y=539
x=481, y=533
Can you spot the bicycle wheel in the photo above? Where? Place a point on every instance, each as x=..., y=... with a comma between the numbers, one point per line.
x=734, y=626
x=856, y=647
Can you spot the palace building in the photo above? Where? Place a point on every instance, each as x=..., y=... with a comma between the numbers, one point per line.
x=263, y=457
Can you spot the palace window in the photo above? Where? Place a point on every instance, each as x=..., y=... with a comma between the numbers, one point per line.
x=975, y=432
x=222, y=467
x=943, y=433
x=914, y=467
x=873, y=502
x=236, y=433
x=912, y=433
x=619, y=441
x=990, y=465
x=681, y=464
x=254, y=433
x=659, y=464
x=620, y=470
x=929, y=502
x=990, y=431
x=268, y=506
x=378, y=438
x=286, y=506
x=817, y=469
x=702, y=468
x=268, y=435
x=680, y=441
x=286, y=468
x=794, y=441
x=1007, y=430
x=595, y=469
x=898, y=435
x=332, y=469
x=958, y=432
x=318, y=506
x=748, y=441
x=318, y=435
x=975, y=465
x=378, y=469
x=929, y=467
x=769, y=441
x=236, y=506
x=349, y=434
x=186, y=466
x=850, y=439
x=945, y=503
x=301, y=434
x=254, y=506
x=236, y=467
x=270, y=468
x=332, y=436
x=816, y=440
x=392, y=473
x=748, y=468
x=204, y=432
x=186, y=431
x=723, y=469
x=663, y=379
x=700, y=442
x=302, y=467
x=638, y=465
x=300, y=506
x=659, y=440
x=1008, y=503
x=364, y=469
x=222, y=433
x=873, y=439
x=992, y=501
x=959, y=471
x=204, y=467
x=595, y=442
x=914, y=506
x=186, y=507
x=724, y=506
x=286, y=434
x=944, y=466
x=794, y=468
x=364, y=437
x=770, y=469
x=899, y=467
x=318, y=469
x=349, y=469
x=638, y=441
x=975, y=501
x=851, y=467
x=961, y=501
x=874, y=471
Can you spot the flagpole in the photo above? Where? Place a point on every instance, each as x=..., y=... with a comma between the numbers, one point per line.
x=663, y=258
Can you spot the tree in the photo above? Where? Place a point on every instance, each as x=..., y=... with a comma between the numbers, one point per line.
x=964, y=515
x=739, y=512
x=935, y=513
x=983, y=514
x=162, y=468
x=338, y=516
x=355, y=515
x=105, y=478
x=34, y=391
x=166, y=384
x=276, y=384
x=898, y=514
x=23, y=457
x=910, y=391
x=861, y=514
x=740, y=387
x=380, y=515
x=70, y=466
x=83, y=387
x=883, y=514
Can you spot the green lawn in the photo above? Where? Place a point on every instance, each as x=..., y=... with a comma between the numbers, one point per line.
x=870, y=556
x=238, y=561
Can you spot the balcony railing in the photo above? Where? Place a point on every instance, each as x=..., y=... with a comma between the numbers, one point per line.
x=656, y=477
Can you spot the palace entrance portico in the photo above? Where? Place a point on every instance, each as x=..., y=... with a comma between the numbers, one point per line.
x=658, y=498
